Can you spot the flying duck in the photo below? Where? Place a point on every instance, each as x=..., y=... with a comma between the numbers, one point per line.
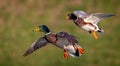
x=88, y=22
x=63, y=40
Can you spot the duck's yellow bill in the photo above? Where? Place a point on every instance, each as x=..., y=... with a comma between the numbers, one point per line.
x=67, y=17
x=36, y=29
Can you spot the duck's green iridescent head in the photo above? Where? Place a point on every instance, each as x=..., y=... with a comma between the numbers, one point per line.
x=42, y=28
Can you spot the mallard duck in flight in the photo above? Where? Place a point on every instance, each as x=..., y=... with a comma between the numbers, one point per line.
x=88, y=22
x=63, y=40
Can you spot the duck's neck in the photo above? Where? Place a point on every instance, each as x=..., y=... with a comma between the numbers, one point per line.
x=75, y=20
x=47, y=33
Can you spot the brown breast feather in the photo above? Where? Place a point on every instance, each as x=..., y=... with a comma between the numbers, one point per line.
x=51, y=38
x=80, y=22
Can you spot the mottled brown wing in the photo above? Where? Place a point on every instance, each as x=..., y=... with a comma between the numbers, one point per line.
x=36, y=45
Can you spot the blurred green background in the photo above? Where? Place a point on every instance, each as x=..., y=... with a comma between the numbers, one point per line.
x=19, y=17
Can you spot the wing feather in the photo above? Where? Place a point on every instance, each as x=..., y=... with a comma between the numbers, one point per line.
x=36, y=45
x=96, y=17
x=72, y=39
x=80, y=14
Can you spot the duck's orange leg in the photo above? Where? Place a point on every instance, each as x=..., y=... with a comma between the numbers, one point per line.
x=94, y=34
x=65, y=54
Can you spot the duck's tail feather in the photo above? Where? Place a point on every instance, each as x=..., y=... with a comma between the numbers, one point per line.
x=100, y=31
x=75, y=55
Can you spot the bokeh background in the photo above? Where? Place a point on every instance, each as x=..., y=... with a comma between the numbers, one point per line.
x=19, y=17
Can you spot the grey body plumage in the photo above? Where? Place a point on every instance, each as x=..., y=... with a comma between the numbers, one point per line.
x=62, y=40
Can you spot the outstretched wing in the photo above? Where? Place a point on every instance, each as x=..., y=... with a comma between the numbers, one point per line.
x=80, y=14
x=36, y=45
x=72, y=39
x=96, y=17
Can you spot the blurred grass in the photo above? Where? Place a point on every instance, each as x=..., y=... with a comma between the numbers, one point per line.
x=19, y=17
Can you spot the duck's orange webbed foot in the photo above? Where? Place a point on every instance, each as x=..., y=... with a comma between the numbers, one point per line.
x=65, y=54
x=81, y=51
x=94, y=34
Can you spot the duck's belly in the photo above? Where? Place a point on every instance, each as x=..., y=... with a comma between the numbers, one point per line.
x=70, y=48
x=88, y=27
x=67, y=47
